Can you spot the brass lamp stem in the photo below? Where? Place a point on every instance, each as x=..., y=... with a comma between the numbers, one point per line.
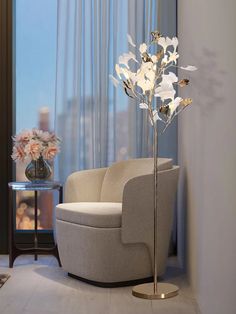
x=155, y=153
x=154, y=290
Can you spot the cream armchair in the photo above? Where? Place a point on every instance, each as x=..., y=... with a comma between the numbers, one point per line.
x=104, y=229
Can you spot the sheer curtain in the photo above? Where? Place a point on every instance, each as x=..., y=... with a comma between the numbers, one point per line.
x=98, y=124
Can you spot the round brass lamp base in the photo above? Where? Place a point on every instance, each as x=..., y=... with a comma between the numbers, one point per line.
x=164, y=291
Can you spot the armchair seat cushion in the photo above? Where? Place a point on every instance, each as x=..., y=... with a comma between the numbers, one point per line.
x=92, y=214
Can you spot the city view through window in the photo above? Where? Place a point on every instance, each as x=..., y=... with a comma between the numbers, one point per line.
x=35, y=61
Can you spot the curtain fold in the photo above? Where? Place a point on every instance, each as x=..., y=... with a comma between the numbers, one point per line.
x=98, y=124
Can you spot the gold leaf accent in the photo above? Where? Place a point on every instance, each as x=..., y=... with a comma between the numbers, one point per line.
x=146, y=57
x=165, y=109
x=186, y=101
x=127, y=87
x=155, y=36
x=183, y=82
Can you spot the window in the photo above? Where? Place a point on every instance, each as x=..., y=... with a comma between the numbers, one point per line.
x=35, y=73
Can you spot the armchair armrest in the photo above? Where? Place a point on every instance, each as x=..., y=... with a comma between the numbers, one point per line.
x=84, y=186
x=138, y=212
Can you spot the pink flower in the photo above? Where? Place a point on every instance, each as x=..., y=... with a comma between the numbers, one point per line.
x=23, y=138
x=18, y=153
x=33, y=149
x=46, y=137
x=50, y=151
x=34, y=143
x=41, y=135
x=54, y=138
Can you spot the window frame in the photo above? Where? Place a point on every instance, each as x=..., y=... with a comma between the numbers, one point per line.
x=6, y=121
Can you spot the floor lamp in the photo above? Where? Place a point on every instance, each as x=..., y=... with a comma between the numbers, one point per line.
x=153, y=78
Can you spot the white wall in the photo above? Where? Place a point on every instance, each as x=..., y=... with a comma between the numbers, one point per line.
x=207, y=150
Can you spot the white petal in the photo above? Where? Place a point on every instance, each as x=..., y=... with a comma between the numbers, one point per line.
x=143, y=105
x=173, y=56
x=130, y=40
x=143, y=48
x=154, y=58
x=168, y=41
x=156, y=116
x=121, y=70
x=165, y=94
x=126, y=57
x=162, y=42
x=125, y=72
x=150, y=75
x=189, y=68
x=165, y=89
x=175, y=42
x=173, y=105
x=118, y=71
x=171, y=76
x=114, y=80
x=165, y=59
x=146, y=85
x=178, y=100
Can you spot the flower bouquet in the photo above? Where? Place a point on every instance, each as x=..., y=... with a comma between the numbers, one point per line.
x=35, y=146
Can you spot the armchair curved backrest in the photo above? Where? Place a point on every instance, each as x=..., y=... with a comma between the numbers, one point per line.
x=107, y=184
x=118, y=174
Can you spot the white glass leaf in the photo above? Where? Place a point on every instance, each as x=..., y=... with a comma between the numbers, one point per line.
x=118, y=71
x=143, y=48
x=165, y=59
x=143, y=105
x=170, y=77
x=150, y=75
x=165, y=89
x=173, y=105
x=164, y=42
x=156, y=116
x=173, y=56
x=165, y=94
x=126, y=57
x=114, y=80
x=121, y=70
x=189, y=68
x=130, y=40
x=125, y=72
x=154, y=58
x=175, y=43
x=146, y=85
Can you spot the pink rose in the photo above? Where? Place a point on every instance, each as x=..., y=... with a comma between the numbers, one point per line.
x=18, y=153
x=33, y=149
x=50, y=151
x=23, y=138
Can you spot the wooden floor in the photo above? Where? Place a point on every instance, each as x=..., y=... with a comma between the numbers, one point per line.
x=42, y=287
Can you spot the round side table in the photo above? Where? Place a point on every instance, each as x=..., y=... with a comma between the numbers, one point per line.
x=14, y=250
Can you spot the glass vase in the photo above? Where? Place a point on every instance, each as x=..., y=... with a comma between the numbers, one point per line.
x=38, y=170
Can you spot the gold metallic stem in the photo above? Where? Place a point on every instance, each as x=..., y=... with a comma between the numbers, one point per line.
x=154, y=290
x=155, y=152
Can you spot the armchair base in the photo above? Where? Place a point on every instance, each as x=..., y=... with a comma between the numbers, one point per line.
x=112, y=284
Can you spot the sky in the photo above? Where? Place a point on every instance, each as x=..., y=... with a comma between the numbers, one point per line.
x=35, y=40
